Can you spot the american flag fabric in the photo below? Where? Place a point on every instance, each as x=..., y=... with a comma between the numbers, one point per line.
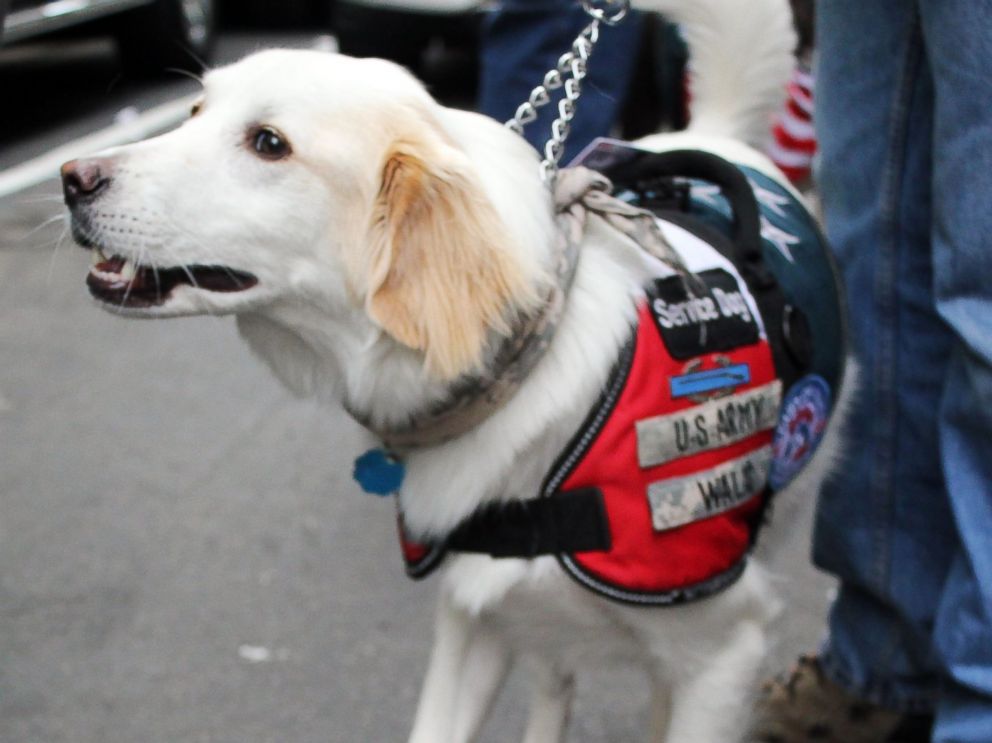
x=793, y=137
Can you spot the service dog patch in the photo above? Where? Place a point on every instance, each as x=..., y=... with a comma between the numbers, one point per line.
x=711, y=317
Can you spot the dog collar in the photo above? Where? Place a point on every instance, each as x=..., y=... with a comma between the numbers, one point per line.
x=473, y=399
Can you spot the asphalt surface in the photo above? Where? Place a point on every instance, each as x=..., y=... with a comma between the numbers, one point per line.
x=183, y=554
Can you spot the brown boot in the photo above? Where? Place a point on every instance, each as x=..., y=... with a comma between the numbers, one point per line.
x=807, y=706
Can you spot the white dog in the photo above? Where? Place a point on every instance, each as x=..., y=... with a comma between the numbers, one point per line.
x=373, y=245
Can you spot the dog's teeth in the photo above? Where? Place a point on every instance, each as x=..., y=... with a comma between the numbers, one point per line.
x=96, y=257
x=127, y=270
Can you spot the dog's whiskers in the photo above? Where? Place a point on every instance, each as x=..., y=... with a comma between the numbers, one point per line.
x=137, y=262
x=38, y=228
x=180, y=264
x=233, y=278
x=187, y=235
x=42, y=200
x=56, y=247
x=186, y=73
x=155, y=275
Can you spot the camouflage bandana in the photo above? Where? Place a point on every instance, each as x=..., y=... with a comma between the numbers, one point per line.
x=472, y=399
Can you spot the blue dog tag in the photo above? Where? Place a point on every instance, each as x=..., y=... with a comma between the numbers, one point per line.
x=378, y=472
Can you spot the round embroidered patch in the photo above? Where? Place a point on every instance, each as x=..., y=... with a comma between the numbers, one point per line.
x=801, y=423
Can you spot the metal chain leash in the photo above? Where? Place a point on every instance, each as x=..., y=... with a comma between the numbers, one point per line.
x=569, y=73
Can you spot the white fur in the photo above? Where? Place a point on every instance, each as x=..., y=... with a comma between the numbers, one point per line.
x=740, y=56
x=292, y=223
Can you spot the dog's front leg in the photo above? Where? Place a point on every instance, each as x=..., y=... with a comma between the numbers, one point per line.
x=434, y=722
x=551, y=703
x=712, y=704
x=486, y=662
x=661, y=709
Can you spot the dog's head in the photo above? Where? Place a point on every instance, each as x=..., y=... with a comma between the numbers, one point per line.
x=304, y=177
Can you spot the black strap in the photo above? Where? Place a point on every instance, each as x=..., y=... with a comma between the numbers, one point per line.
x=573, y=521
x=734, y=186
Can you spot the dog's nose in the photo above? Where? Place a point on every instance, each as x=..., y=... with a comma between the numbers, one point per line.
x=83, y=180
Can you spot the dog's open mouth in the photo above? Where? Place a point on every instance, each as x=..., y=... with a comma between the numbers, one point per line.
x=118, y=280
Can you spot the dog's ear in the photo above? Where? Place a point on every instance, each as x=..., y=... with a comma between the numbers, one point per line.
x=439, y=278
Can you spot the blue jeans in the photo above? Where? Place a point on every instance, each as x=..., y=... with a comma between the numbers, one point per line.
x=904, y=120
x=523, y=39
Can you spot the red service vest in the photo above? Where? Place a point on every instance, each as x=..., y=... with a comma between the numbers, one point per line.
x=720, y=398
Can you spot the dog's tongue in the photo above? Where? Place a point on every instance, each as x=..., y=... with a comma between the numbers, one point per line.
x=114, y=264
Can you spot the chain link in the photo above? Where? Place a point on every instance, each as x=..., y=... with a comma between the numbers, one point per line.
x=569, y=74
x=607, y=11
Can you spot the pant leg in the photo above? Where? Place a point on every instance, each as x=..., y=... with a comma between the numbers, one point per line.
x=959, y=36
x=883, y=525
x=523, y=39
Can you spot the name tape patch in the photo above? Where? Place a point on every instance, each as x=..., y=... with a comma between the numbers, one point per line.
x=716, y=318
x=710, y=425
x=685, y=500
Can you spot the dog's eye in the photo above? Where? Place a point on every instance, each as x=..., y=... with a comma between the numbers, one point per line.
x=269, y=143
x=195, y=109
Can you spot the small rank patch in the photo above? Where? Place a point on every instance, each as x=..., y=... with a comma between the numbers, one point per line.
x=684, y=500
x=711, y=425
x=710, y=380
x=800, y=427
x=718, y=320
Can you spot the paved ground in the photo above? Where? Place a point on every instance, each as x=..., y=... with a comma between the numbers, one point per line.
x=183, y=556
